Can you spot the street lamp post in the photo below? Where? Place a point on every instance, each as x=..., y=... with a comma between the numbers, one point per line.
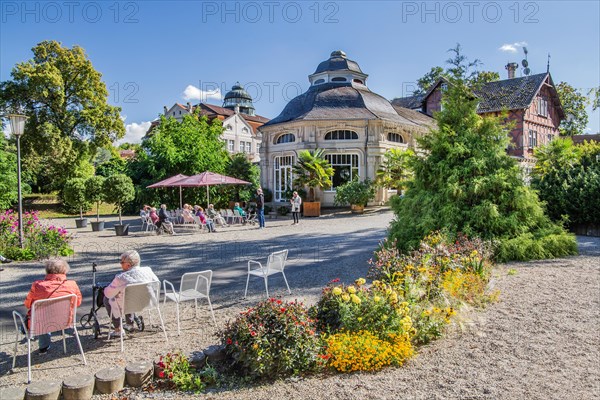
x=17, y=125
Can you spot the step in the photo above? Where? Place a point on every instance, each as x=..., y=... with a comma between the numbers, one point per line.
x=78, y=387
x=43, y=390
x=138, y=373
x=110, y=380
x=12, y=393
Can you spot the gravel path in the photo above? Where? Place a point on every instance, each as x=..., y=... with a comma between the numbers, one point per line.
x=540, y=341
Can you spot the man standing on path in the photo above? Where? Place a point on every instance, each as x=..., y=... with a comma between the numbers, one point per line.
x=260, y=208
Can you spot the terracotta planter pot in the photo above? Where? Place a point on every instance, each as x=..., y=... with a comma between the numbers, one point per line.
x=312, y=208
x=357, y=209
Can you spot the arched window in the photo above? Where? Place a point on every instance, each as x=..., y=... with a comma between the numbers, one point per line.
x=358, y=81
x=318, y=81
x=395, y=137
x=338, y=79
x=285, y=138
x=341, y=135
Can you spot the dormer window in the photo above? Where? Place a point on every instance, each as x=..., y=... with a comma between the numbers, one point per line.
x=245, y=130
x=228, y=127
x=358, y=81
x=285, y=138
x=395, y=137
x=319, y=81
x=338, y=79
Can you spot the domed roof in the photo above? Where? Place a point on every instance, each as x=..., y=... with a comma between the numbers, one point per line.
x=238, y=98
x=338, y=101
x=238, y=92
x=338, y=62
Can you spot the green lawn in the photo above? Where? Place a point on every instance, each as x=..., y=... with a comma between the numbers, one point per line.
x=48, y=207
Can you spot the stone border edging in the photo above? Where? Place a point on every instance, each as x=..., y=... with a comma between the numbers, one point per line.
x=106, y=381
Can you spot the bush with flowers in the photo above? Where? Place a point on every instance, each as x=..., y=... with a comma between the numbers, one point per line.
x=366, y=351
x=40, y=240
x=276, y=338
x=436, y=279
x=176, y=369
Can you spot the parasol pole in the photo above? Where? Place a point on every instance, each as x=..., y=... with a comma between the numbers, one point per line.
x=180, y=199
x=207, y=197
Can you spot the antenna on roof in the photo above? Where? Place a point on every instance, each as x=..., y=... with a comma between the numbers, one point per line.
x=548, y=66
x=525, y=63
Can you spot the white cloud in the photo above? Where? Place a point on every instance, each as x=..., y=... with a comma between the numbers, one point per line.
x=134, y=132
x=512, y=47
x=191, y=92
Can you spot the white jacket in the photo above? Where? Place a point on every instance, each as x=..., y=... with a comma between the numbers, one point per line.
x=114, y=291
x=296, y=203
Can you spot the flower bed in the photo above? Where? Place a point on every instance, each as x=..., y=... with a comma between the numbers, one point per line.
x=361, y=327
x=40, y=240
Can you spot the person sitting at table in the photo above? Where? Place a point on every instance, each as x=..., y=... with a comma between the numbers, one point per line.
x=216, y=216
x=205, y=221
x=240, y=210
x=55, y=284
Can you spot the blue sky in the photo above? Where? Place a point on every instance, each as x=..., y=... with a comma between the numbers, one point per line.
x=156, y=53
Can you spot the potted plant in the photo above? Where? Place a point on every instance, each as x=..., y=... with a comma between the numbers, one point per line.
x=355, y=193
x=312, y=170
x=74, y=197
x=94, y=193
x=119, y=190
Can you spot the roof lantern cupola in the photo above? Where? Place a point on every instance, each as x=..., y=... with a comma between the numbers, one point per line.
x=238, y=99
x=338, y=69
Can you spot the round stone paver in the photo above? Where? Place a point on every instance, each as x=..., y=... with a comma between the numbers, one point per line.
x=78, y=387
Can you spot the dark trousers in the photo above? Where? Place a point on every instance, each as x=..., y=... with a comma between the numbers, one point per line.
x=295, y=215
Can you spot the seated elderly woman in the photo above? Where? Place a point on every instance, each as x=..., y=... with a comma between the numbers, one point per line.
x=55, y=284
x=205, y=221
x=216, y=216
x=187, y=214
x=240, y=210
x=113, y=293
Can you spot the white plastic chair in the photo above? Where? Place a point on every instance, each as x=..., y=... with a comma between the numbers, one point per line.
x=238, y=217
x=48, y=315
x=150, y=226
x=230, y=216
x=275, y=264
x=138, y=298
x=193, y=286
x=144, y=222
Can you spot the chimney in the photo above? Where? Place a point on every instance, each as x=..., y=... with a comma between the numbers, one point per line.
x=165, y=110
x=511, y=67
x=189, y=106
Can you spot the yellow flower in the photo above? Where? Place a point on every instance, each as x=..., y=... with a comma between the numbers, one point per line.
x=360, y=281
x=337, y=291
x=359, y=319
x=355, y=299
x=346, y=297
x=351, y=289
x=427, y=312
x=377, y=299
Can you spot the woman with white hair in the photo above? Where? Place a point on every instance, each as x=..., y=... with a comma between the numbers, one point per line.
x=113, y=293
x=55, y=284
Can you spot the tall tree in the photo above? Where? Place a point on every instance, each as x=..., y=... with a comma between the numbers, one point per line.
x=8, y=176
x=574, y=104
x=455, y=65
x=66, y=100
x=188, y=147
x=465, y=182
x=239, y=167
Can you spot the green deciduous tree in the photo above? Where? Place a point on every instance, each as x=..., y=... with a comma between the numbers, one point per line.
x=465, y=182
x=118, y=190
x=8, y=176
x=573, y=103
x=66, y=100
x=73, y=195
x=312, y=170
x=94, y=192
x=240, y=167
x=188, y=147
x=567, y=178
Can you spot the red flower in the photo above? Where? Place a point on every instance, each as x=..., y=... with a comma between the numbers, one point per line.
x=335, y=280
x=229, y=341
x=252, y=333
x=282, y=309
x=171, y=375
x=161, y=374
x=278, y=301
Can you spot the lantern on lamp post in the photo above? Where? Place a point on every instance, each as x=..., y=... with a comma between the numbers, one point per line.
x=17, y=126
